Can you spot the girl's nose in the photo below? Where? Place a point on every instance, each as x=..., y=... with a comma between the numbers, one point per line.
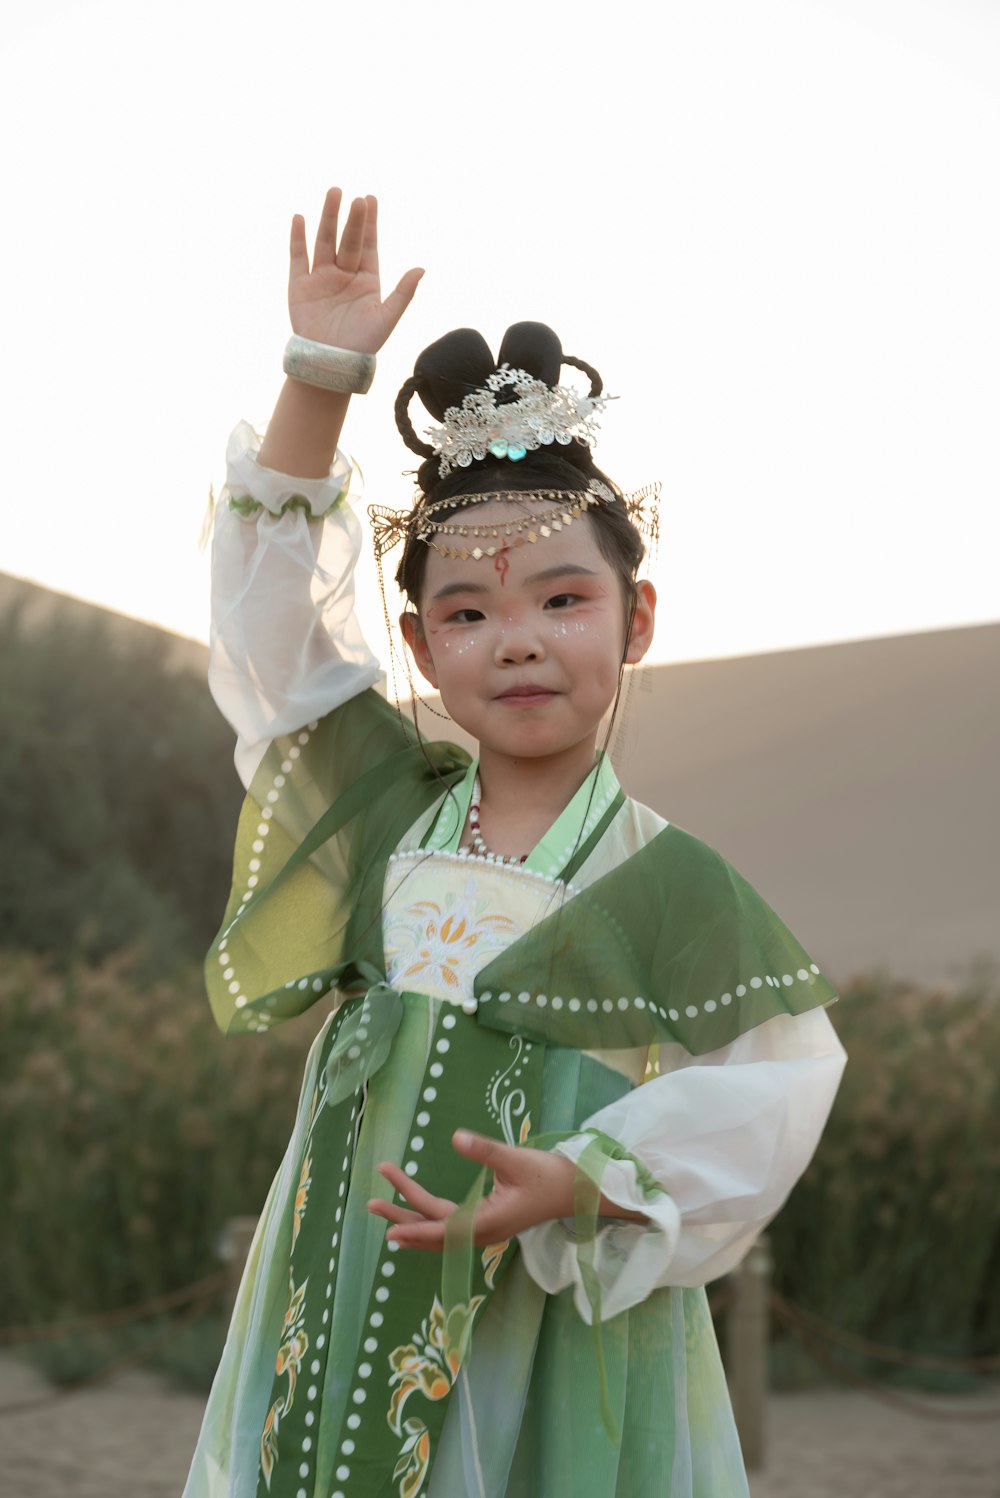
x=517, y=645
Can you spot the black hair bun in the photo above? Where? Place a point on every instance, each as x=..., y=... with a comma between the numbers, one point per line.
x=450, y=368
x=454, y=366
x=533, y=347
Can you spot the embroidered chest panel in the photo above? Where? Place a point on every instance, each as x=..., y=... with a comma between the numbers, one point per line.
x=446, y=916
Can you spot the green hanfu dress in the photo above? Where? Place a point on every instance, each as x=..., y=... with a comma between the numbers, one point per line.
x=540, y=1003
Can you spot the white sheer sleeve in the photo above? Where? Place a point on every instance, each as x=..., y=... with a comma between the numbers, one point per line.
x=725, y=1135
x=286, y=647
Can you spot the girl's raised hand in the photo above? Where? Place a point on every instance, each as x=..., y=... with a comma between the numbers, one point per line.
x=339, y=299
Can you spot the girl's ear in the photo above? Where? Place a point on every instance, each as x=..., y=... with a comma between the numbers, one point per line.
x=413, y=633
x=641, y=634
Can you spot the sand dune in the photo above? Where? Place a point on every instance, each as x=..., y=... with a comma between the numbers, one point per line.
x=855, y=784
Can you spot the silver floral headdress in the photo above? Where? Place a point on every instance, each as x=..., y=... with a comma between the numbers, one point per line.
x=540, y=415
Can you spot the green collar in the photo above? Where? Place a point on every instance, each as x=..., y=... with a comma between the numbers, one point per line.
x=570, y=829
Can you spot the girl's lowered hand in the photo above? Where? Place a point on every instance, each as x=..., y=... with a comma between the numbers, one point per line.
x=339, y=299
x=529, y=1187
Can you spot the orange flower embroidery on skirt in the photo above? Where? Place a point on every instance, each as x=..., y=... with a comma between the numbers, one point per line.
x=428, y=1365
x=287, y=1364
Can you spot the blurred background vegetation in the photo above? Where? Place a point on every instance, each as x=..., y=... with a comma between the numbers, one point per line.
x=132, y=1130
x=118, y=795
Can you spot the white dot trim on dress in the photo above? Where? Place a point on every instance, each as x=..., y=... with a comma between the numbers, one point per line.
x=387, y=1268
x=260, y=1021
x=691, y=1011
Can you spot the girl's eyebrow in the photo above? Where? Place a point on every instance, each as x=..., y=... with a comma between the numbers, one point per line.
x=450, y=588
x=564, y=569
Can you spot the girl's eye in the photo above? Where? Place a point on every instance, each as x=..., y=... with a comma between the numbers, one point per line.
x=465, y=616
x=561, y=600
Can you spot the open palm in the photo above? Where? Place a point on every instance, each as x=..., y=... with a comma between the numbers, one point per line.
x=339, y=299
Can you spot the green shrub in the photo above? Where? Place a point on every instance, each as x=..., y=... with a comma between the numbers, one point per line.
x=133, y=1129
x=894, y=1230
x=118, y=797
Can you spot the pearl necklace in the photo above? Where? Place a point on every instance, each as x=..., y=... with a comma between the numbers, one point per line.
x=479, y=847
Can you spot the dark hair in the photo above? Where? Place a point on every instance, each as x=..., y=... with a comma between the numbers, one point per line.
x=461, y=362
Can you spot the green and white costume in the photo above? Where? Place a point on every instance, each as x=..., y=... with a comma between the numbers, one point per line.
x=625, y=998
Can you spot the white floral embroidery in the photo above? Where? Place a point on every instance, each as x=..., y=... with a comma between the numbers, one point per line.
x=439, y=945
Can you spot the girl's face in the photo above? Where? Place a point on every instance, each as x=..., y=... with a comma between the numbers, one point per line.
x=525, y=647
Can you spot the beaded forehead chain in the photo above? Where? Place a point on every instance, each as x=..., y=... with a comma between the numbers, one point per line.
x=466, y=538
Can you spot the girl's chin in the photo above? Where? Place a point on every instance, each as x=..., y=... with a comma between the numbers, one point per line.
x=526, y=745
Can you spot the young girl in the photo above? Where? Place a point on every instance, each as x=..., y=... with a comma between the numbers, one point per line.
x=536, y=976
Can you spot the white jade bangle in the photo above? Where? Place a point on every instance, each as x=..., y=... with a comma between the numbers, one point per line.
x=331, y=368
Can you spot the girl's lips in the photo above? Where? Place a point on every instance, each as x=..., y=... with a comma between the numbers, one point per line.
x=526, y=696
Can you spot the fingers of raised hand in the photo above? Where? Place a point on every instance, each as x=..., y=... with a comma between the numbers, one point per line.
x=358, y=244
x=353, y=238
x=298, y=255
x=325, y=252
x=397, y=301
x=369, y=244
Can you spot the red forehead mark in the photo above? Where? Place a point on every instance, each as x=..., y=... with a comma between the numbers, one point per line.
x=502, y=563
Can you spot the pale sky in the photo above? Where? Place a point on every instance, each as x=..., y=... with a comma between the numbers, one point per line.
x=773, y=225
